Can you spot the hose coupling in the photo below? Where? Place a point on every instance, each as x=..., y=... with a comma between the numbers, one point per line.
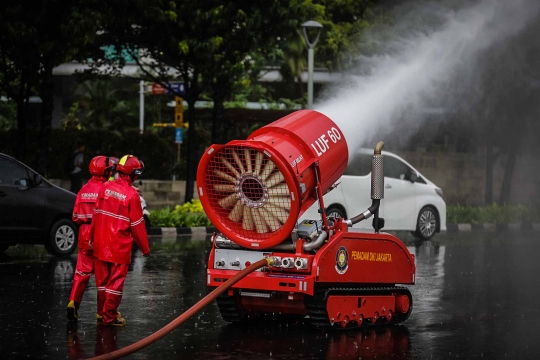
x=270, y=260
x=367, y=214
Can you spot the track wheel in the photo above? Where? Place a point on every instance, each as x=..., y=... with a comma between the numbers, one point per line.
x=375, y=317
x=389, y=315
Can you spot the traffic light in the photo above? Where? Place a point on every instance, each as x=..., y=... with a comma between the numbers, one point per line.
x=179, y=112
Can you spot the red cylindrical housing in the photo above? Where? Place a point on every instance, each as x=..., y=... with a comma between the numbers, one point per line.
x=254, y=190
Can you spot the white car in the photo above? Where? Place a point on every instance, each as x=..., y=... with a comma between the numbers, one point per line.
x=411, y=202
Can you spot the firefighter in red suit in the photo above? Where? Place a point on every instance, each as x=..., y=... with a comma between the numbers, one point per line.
x=117, y=222
x=101, y=167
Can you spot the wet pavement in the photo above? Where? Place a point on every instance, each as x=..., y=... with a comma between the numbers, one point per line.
x=477, y=296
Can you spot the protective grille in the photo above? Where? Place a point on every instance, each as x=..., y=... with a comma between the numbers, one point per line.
x=247, y=192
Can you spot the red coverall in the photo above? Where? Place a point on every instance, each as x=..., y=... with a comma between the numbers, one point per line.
x=82, y=215
x=118, y=220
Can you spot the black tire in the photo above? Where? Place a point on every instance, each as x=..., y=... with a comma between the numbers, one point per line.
x=336, y=211
x=62, y=238
x=427, y=223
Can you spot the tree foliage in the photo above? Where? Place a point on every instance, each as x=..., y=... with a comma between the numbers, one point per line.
x=35, y=38
x=214, y=47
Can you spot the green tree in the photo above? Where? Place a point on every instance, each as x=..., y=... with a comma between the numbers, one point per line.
x=343, y=22
x=18, y=64
x=8, y=115
x=35, y=38
x=205, y=44
x=105, y=107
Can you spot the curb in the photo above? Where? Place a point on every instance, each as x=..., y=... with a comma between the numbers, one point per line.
x=493, y=227
x=172, y=231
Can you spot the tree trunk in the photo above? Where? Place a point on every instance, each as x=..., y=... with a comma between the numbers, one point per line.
x=21, y=148
x=301, y=89
x=22, y=99
x=218, y=118
x=508, y=175
x=192, y=151
x=46, y=92
x=490, y=161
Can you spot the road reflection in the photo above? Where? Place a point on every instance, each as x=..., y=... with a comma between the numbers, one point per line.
x=370, y=344
x=474, y=296
x=282, y=340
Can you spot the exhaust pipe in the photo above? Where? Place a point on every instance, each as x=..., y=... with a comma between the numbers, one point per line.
x=377, y=188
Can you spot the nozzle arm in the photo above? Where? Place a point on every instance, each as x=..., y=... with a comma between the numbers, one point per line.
x=366, y=214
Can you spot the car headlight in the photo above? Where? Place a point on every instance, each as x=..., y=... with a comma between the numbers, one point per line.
x=439, y=192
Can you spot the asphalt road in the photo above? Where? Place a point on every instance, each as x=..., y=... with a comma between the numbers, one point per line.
x=476, y=296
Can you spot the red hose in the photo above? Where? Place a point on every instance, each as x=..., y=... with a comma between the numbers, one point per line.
x=185, y=316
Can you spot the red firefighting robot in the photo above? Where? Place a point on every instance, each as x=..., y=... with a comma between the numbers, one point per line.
x=117, y=222
x=101, y=167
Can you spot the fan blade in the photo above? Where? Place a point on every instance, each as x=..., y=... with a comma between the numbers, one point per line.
x=247, y=223
x=279, y=190
x=237, y=211
x=283, y=202
x=275, y=179
x=258, y=162
x=247, y=155
x=225, y=176
x=230, y=167
x=260, y=224
x=280, y=213
x=224, y=188
x=268, y=168
x=238, y=162
x=228, y=201
x=273, y=222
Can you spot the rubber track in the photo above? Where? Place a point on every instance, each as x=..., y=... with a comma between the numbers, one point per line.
x=316, y=305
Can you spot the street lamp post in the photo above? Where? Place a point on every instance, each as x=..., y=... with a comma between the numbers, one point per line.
x=311, y=46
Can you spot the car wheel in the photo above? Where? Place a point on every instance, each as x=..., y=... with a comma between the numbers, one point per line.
x=62, y=238
x=336, y=211
x=427, y=223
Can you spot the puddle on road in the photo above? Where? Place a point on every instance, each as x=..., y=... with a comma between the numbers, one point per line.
x=472, y=298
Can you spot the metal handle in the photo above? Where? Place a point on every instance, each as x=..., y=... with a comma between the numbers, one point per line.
x=388, y=186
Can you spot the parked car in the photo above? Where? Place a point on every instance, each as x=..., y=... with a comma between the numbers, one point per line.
x=32, y=210
x=411, y=202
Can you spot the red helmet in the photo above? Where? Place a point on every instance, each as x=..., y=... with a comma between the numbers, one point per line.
x=130, y=165
x=101, y=166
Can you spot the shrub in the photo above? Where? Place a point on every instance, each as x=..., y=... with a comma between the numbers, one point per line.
x=192, y=214
x=491, y=214
x=187, y=215
x=193, y=206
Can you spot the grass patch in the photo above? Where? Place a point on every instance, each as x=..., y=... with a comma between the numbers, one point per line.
x=495, y=213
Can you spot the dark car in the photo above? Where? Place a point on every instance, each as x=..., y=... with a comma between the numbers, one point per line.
x=32, y=210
